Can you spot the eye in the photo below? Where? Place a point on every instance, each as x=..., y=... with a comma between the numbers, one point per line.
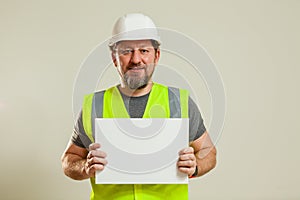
x=144, y=51
x=125, y=51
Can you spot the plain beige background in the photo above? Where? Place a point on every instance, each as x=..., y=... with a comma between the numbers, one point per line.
x=255, y=45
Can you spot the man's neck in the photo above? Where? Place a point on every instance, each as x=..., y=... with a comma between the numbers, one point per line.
x=138, y=92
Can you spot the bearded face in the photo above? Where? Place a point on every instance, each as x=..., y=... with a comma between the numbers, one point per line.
x=138, y=59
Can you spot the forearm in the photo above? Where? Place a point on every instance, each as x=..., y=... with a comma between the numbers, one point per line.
x=73, y=166
x=206, y=160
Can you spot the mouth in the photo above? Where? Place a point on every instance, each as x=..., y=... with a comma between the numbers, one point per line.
x=135, y=69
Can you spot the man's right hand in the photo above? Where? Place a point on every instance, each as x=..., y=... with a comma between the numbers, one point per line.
x=95, y=160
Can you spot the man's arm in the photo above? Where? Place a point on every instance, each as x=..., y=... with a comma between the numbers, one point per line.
x=205, y=153
x=201, y=153
x=79, y=163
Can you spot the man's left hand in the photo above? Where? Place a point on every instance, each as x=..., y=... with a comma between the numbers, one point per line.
x=187, y=161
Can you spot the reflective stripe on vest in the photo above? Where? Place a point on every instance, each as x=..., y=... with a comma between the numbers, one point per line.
x=163, y=102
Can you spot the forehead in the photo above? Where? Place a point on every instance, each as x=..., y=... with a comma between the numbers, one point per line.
x=135, y=43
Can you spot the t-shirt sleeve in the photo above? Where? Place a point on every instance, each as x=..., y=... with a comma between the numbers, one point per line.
x=196, y=124
x=79, y=136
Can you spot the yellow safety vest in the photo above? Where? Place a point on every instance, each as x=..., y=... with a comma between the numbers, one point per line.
x=163, y=102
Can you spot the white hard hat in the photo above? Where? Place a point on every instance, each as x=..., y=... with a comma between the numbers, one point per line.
x=134, y=26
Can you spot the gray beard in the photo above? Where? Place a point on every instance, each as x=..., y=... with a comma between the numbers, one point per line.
x=134, y=82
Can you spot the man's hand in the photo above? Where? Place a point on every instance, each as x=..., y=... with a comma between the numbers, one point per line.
x=187, y=161
x=95, y=160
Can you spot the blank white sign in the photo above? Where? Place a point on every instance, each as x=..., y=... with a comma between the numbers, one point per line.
x=141, y=151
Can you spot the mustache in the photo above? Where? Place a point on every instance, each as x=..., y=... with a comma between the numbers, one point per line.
x=139, y=66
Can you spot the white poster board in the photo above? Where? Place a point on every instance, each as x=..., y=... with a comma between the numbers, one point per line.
x=141, y=151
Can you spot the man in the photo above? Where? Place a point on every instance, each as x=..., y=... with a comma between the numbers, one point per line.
x=135, y=53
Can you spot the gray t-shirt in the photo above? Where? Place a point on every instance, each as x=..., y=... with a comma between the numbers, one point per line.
x=136, y=107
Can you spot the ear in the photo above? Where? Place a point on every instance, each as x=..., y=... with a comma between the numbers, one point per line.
x=157, y=56
x=113, y=57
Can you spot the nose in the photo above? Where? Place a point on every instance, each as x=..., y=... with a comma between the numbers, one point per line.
x=136, y=57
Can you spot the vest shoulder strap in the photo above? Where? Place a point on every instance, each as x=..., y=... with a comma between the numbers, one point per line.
x=92, y=108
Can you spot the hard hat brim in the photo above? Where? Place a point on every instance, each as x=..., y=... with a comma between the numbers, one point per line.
x=139, y=34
